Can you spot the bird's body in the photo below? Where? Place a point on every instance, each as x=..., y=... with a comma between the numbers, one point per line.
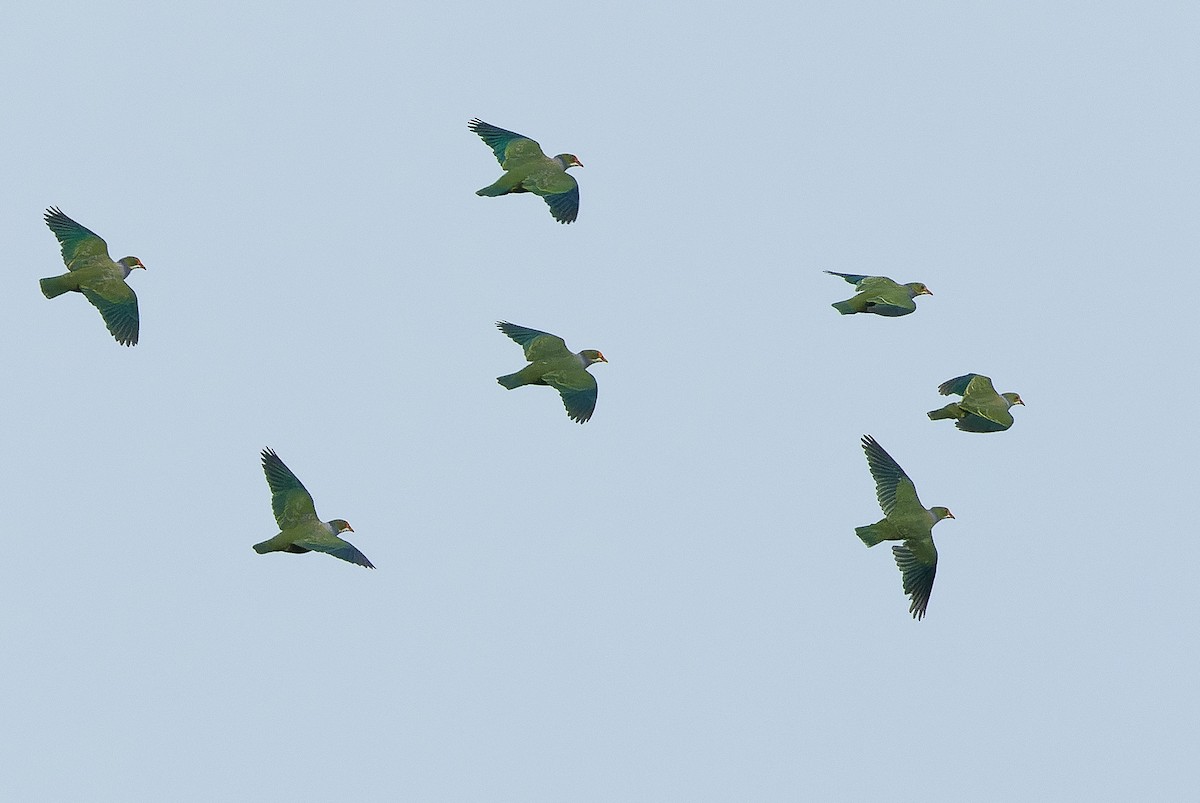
x=300, y=530
x=905, y=519
x=91, y=272
x=528, y=169
x=982, y=409
x=880, y=295
x=552, y=363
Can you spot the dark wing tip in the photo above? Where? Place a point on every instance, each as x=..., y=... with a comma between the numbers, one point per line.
x=270, y=461
x=55, y=218
x=564, y=206
x=917, y=578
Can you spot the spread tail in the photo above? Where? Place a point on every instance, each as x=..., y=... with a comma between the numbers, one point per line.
x=869, y=535
x=57, y=285
x=946, y=412
x=503, y=186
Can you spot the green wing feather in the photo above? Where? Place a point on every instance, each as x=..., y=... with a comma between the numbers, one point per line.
x=853, y=278
x=960, y=384
x=868, y=284
x=577, y=388
x=510, y=147
x=879, y=294
x=538, y=345
x=291, y=502
x=893, y=488
x=118, y=307
x=982, y=399
x=332, y=545
x=890, y=305
x=80, y=245
x=885, y=297
x=987, y=410
x=918, y=564
x=564, y=206
x=551, y=181
x=882, y=286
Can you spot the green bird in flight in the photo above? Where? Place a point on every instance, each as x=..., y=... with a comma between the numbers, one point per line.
x=300, y=530
x=880, y=295
x=527, y=169
x=905, y=519
x=552, y=363
x=92, y=272
x=982, y=409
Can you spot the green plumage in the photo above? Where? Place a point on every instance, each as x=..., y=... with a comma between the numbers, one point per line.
x=553, y=364
x=528, y=169
x=300, y=530
x=91, y=272
x=982, y=409
x=880, y=295
x=905, y=519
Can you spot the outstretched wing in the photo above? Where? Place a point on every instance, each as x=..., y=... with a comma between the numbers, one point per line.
x=578, y=390
x=118, y=306
x=890, y=304
x=538, y=345
x=510, y=147
x=80, y=245
x=918, y=564
x=960, y=384
x=987, y=410
x=853, y=278
x=291, y=502
x=564, y=206
x=893, y=488
x=332, y=545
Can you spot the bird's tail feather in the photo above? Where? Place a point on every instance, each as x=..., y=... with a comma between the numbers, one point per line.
x=511, y=381
x=503, y=186
x=868, y=534
x=56, y=285
x=945, y=412
x=264, y=547
x=844, y=307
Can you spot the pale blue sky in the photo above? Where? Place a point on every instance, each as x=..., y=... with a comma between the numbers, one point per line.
x=669, y=602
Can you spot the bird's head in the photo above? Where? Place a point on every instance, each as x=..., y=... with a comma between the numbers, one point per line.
x=132, y=262
x=1013, y=398
x=591, y=356
x=919, y=289
x=569, y=160
x=940, y=513
x=341, y=526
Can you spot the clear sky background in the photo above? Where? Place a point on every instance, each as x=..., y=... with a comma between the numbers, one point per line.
x=669, y=602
